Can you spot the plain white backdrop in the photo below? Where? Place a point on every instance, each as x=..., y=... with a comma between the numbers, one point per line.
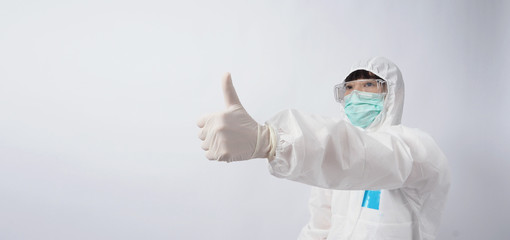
x=99, y=100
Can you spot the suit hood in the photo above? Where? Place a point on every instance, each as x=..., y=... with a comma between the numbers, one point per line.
x=394, y=101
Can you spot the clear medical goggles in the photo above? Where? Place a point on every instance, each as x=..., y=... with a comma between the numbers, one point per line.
x=363, y=85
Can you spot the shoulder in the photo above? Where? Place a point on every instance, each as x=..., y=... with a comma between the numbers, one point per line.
x=421, y=145
x=411, y=135
x=429, y=162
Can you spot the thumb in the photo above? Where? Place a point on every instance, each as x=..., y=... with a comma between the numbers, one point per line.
x=229, y=91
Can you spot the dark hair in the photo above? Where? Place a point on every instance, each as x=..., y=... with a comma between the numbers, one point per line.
x=361, y=74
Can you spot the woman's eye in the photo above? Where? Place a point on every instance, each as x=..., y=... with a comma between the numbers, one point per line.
x=348, y=87
x=369, y=84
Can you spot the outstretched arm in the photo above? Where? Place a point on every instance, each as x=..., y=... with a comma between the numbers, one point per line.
x=324, y=152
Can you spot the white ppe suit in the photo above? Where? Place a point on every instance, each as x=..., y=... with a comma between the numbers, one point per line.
x=342, y=161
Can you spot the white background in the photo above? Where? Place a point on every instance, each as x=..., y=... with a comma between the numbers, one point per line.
x=99, y=100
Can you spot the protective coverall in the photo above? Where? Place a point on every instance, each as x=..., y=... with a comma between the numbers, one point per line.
x=404, y=166
x=386, y=181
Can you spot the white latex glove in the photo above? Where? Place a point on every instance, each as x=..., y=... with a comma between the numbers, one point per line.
x=232, y=134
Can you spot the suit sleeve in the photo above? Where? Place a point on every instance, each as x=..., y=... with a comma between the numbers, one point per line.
x=334, y=154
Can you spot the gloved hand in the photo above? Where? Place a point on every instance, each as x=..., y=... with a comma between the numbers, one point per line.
x=232, y=134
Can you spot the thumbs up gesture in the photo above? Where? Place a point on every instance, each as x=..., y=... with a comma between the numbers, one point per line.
x=232, y=134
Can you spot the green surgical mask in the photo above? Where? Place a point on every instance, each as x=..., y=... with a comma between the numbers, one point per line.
x=363, y=107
